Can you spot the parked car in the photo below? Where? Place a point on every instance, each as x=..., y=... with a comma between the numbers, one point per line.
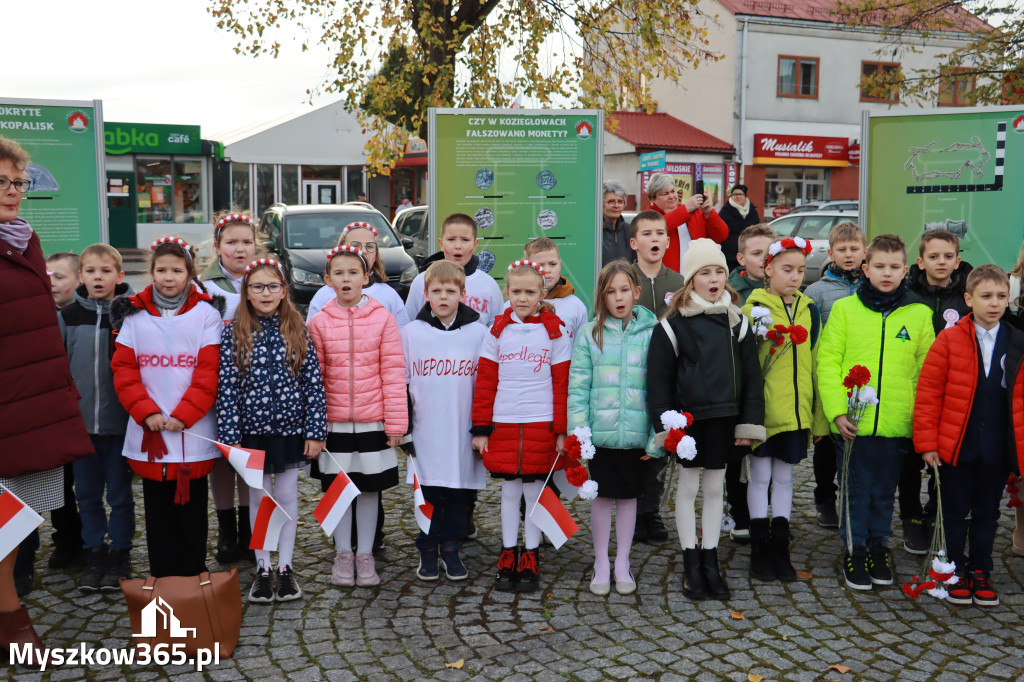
x=302, y=236
x=414, y=224
x=834, y=205
x=815, y=226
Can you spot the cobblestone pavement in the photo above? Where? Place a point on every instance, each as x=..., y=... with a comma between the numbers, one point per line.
x=405, y=629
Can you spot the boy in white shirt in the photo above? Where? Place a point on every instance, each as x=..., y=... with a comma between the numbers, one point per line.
x=569, y=308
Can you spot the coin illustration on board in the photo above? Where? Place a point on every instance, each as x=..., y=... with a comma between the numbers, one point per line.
x=484, y=178
x=546, y=180
x=547, y=219
x=484, y=218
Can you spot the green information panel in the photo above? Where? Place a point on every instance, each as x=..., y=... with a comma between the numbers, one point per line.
x=957, y=170
x=64, y=139
x=521, y=173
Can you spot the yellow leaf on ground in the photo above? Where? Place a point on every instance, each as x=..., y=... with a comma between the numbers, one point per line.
x=546, y=628
x=839, y=668
x=751, y=677
x=736, y=615
x=457, y=664
x=804, y=575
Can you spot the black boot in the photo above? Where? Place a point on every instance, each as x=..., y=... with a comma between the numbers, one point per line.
x=25, y=564
x=227, y=536
x=95, y=566
x=640, y=532
x=713, y=580
x=761, y=565
x=656, y=531
x=119, y=565
x=693, y=579
x=528, y=570
x=505, y=579
x=784, y=570
x=245, y=535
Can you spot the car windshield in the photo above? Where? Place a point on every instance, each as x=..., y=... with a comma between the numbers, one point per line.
x=322, y=230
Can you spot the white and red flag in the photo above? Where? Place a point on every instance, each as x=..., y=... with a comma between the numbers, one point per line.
x=561, y=482
x=266, y=530
x=246, y=461
x=17, y=520
x=552, y=517
x=335, y=502
x=424, y=510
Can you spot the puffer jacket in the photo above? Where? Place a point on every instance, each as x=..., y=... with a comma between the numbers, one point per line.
x=608, y=385
x=712, y=227
x=790, y=390
x=891, y=345
x=361, y=358
x=267, y=399
x=829, y=289
x=947, y=303
x=714, y=374
x=41, y=426
x=743, y=283
x=86, y=330
x=946, y=387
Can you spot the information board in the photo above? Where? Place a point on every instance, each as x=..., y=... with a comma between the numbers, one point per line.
x=521, y=173
x=956, y=170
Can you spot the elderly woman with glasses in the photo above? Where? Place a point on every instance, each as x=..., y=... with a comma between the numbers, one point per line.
x=615, y=233
x=693, y=219
x=41, y=427
x=738, y=213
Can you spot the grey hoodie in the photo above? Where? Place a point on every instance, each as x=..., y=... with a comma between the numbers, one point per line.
x=86, y=330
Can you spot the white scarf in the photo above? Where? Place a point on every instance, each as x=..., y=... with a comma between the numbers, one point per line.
x=742, y=210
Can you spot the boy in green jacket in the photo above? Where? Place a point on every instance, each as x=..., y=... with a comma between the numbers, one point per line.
x=879, y=330
x=753, y=243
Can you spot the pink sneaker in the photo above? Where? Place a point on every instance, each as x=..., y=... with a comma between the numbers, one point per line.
x=343, y=573
x=366, y=571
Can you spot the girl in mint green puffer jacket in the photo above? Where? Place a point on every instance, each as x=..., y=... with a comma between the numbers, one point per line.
x=608, y=395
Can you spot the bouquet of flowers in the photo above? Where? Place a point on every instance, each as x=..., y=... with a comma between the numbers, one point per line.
x=780, y=337
x=859, y=396
x=677, y=441
x=578, y=449
x=941, y=571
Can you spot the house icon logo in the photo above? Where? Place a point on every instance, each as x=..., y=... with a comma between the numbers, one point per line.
x=159, y=609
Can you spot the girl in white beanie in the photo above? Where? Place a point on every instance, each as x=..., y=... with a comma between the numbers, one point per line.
x=704, y=378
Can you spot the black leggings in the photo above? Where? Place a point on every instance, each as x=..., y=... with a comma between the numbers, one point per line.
x=175, y=533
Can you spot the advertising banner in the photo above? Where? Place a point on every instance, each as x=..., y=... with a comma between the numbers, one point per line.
x=66, y=204
x=521, y=174
x=151, y=138
x=953, y=170
x=800, y=150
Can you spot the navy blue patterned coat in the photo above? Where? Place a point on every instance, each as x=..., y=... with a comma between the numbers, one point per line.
x=268, y=400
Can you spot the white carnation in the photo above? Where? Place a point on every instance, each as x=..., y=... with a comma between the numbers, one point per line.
x=938, y=592
x=583, y=433
x=587, y=451
x=687, y=448
x=940, y=566
x=868, y=395
x=588, y=490
x=673, y=419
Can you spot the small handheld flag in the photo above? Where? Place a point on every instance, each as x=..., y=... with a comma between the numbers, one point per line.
x=553, y=518
x=266, y=530
x=17, y=520
x=424, y=510
x=335, y=502
x=247, y=462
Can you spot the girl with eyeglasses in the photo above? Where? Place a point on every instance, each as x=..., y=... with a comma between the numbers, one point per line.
x=363, y=236
x=271, y=398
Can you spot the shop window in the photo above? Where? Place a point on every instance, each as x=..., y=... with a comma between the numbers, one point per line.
x=788, y=187
x=877, y=82
x=189, y=203
x=155, y=180
x=798, y=77
x=265, y=185
x=240, y=186
x=353, y=182
x=289, y=185
x=956, y=83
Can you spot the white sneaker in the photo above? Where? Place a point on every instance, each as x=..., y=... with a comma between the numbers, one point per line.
x=366, y=571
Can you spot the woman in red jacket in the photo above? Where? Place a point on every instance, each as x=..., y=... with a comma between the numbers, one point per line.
x=41, y=426
x=165, y=364
x=686, y=222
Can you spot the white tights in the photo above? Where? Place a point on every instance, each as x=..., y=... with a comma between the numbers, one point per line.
x=511, y=492
x=284, y=488
x=765, y=471
x=365, y=505
x=711, y=514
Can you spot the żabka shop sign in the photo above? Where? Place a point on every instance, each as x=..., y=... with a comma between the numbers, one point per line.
x=151, y=138
x=801, y=150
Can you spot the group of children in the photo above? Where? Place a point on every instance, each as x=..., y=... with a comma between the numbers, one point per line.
x=468, y=381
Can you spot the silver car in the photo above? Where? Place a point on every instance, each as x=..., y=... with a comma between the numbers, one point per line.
x=815, y=226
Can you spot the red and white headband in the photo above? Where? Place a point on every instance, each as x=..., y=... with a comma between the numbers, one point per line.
x=173, y=240
x=356, y=226
x=337, y=250
x=526, y=263
x=263, y=261
x=228, y=219
x=788, y=243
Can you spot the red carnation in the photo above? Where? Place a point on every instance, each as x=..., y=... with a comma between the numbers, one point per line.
x=689, y=419
x=797, y=334
x=788, y=243
x=771, y=334
x=771, y=351
x=673, y=438
x=859, y=375
x=577, y=476
x=572, y=448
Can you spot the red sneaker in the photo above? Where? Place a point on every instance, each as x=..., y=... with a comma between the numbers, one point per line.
x=984, y=593
x=961, y=594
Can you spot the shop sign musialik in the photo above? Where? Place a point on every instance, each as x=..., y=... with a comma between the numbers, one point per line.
x=800, y=150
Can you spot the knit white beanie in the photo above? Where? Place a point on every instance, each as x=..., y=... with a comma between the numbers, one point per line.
x=702, y=253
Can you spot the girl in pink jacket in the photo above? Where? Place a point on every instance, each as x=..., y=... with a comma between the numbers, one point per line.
x=360, y=352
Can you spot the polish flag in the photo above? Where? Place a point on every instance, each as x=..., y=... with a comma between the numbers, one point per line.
x=552, y=518
x=17, y=520
x=335, y=502
x=424, y=510
x=247, y=462
x=567, y=489
x=266, y=531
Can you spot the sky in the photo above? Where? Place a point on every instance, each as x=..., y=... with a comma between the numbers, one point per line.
x=152, y=62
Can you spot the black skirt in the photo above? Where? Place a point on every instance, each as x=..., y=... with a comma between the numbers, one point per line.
x=619, y=474
x=715, y=444
x=282, y=452
x=789, y=447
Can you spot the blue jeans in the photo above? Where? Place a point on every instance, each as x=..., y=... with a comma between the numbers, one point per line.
x=106, y=468
x=875, y=466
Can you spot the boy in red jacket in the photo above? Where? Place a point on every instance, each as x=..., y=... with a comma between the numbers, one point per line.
x=961, y=421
